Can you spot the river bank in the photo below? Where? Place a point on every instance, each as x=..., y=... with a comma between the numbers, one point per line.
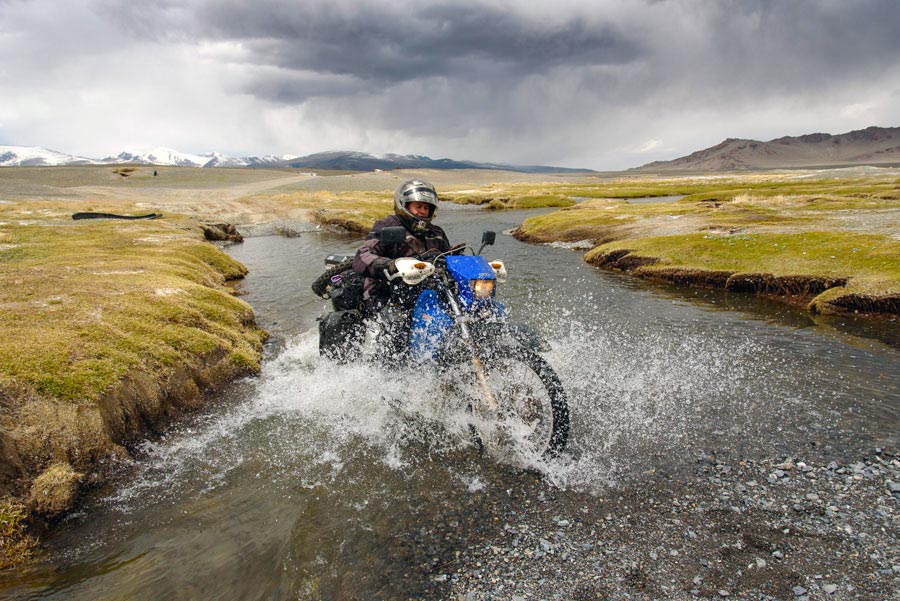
x=108, y=330
x=830, y=246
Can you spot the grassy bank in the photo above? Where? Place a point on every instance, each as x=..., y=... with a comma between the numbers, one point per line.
x=828, y=244
x=107, y=328
x=511, y=196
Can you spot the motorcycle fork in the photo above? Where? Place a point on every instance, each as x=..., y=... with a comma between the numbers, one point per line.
x=490, y=402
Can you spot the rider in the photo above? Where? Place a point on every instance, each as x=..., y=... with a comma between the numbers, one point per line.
x=415, y=202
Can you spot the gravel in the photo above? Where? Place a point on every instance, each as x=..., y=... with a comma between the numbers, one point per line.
x=779, y=528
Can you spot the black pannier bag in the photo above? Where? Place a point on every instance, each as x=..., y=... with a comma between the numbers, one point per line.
x=342, y=285
x=346, y=290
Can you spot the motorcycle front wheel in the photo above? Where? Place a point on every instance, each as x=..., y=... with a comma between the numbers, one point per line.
x=532, y=411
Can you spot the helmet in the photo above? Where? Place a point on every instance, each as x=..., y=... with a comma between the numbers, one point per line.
x=415, y=190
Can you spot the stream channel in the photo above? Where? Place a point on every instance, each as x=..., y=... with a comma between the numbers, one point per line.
x=314, y=480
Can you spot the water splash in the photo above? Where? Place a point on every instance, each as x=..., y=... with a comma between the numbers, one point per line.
x=634, y=400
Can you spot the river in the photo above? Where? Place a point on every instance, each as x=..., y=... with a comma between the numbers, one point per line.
x=319, y=481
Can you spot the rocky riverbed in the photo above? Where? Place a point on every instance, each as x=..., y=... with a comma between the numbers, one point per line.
x=781, y=528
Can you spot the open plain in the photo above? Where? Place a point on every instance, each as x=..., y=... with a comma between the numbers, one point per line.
x=97, y=314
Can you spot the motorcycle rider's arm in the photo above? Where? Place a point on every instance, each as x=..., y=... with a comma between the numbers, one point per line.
x=370, y=260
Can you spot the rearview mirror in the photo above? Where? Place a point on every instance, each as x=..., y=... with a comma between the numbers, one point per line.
x=487, y=239
x=393, y=235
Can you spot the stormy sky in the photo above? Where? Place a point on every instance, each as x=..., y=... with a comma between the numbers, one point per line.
x=580, y=83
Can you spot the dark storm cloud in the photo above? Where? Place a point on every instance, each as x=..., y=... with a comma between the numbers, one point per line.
x=751, y=44
x=387, y=43
x=583, y=81
x=393, y=44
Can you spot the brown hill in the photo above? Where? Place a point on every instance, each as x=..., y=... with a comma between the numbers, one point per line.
x=870, y=146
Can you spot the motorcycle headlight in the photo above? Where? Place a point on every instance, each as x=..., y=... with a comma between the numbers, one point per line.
x=482, y=288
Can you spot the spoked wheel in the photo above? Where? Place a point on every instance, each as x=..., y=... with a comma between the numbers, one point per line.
x=532, y=411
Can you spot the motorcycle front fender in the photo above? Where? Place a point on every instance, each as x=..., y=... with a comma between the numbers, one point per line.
x=504, y=337
x=528, y=337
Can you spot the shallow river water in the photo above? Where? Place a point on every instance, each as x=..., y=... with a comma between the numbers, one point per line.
x=319, y=481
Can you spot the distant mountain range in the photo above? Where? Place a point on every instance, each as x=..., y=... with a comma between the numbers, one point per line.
x=870, y=146
x=12, y=156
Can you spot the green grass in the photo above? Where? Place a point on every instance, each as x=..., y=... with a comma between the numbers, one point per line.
x=718, y=188
x=864, y=257
x=527, y=201
x=869, y=263
x=812, y=228
x=91, y=301
x=108, y=326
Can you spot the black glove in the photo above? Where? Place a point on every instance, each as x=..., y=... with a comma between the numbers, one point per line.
x=384, y=264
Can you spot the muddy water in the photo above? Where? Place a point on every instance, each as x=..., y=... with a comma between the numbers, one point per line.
x=313, y=481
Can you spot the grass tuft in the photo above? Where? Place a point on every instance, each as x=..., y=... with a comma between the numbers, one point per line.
x=17, y=547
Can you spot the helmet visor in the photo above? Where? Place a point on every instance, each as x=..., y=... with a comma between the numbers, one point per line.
x=420, y=194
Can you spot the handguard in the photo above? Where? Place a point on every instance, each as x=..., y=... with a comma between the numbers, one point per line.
x=499, y=270
x=413, y=271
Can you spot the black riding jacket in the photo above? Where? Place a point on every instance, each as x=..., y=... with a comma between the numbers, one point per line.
x=373, y=257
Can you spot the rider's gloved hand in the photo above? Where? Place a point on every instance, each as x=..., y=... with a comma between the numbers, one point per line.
x=385, y=265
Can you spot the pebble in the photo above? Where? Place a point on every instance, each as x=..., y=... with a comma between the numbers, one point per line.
x=563, y=523
x=829, y=589
x=894, y=487
x=777, y=554
x=799, y=591
x=788, y=465
x=723, y=593
x=760, y=563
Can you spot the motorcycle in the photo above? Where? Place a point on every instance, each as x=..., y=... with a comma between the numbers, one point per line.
x=443, y=311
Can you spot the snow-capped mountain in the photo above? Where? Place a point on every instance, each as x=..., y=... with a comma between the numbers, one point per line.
x=160, y=156
x=26, y=156
x=167, y=156
x=11, y=156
